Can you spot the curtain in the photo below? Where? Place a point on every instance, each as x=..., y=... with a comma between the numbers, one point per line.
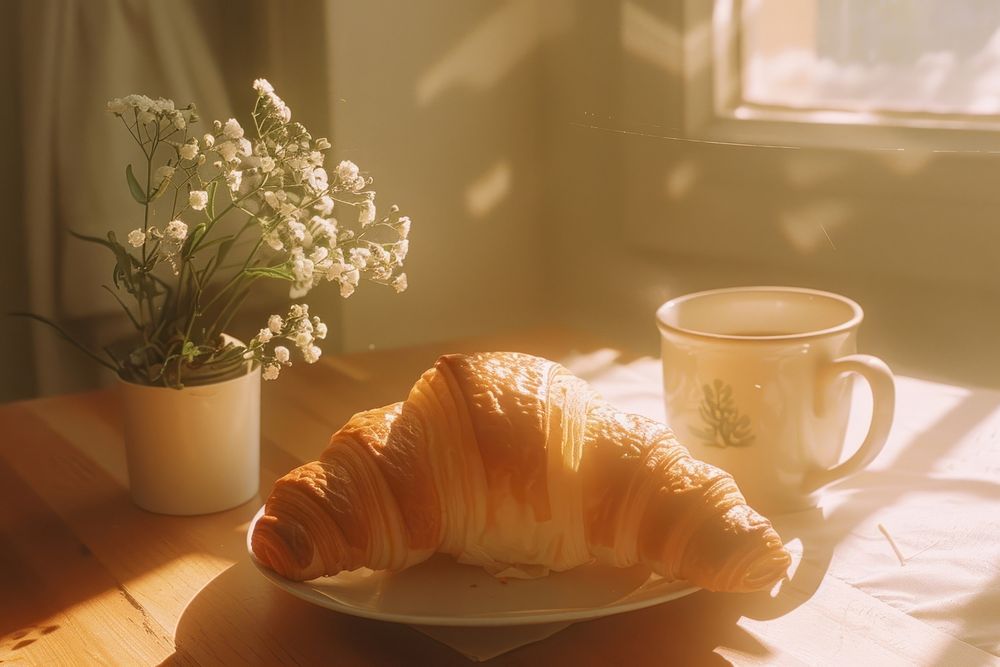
x=74, y=55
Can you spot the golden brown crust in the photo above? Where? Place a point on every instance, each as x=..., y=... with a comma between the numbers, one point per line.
x=504, y=459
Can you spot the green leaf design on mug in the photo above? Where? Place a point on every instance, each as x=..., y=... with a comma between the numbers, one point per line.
x=723, y=424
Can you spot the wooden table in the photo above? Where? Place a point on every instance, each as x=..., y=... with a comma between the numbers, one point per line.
x=88, y=578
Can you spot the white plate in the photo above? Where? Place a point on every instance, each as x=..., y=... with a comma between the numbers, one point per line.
x=441, y=591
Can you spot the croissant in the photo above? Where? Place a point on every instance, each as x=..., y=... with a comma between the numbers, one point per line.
x=510, y=462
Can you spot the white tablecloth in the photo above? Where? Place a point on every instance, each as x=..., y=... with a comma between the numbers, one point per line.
x=934, y=489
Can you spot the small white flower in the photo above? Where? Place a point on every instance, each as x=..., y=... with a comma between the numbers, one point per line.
x=296, y=230
x=176, y=230
x=208, y=140
x=266, y=164
x=281, y=353
x=298, y=310
x=198, y=199
x=347, y=171
x=117, y=106
x=234, y=179
x=228, y=150
x=232, y=129
x=179, y=121
x=264, y=335
x=360, y=257
x=275, y=323
x=366, y=213
x=188, y=151
x=317, y=179
x=322, y=143
x=320, y=331
x=263, y=87
x=273, y=239
x=403, y=227
x=246, y=148
x=352, y=276
x=136, y=238
x=271, y=371
x=146, y=117
x=399, y=283
x=311, y=354
x=324, y=205
x=303, y=339
x=346, y=289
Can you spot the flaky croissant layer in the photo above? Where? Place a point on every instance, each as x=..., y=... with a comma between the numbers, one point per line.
x=510, y=462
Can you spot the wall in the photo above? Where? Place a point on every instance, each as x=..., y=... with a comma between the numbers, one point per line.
x=643, y=213
x=440, y=101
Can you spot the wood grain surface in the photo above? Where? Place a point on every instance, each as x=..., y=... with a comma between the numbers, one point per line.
x=88, y=578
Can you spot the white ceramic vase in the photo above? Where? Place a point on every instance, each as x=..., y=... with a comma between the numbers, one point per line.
x=194, y=450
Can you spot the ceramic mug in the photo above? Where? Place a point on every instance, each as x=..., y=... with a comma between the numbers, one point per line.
x=756, y=382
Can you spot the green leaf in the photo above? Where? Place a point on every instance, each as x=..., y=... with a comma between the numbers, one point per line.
x=138, y=193
x=210, y=207
x=72, y=340
x=281, y=272
x=193, y=239
x=93, y=239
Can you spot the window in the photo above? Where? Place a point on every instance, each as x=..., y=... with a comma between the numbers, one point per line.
x=867, y=73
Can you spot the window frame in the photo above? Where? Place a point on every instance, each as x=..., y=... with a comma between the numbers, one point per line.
x=714, y=109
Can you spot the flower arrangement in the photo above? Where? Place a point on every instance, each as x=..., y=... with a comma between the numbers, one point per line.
x=240, y=207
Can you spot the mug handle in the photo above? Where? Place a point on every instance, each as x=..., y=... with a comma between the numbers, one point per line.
x=879, y=378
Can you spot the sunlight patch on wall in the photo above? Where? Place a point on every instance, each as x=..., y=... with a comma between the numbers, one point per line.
x=490, y=50
x=647, y=37
x=488, y=190
x=812, y=227
x=681, y=179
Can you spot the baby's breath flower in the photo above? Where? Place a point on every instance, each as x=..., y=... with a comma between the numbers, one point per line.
x=146, y=117
x=267, y=164
x=298, y=310
x=366, y=214
x=228, y=151
x=324, y=205
x=208, y=140
x=271, y=371
x=317, y=179
x=346, y=289
x=232, y=129
x=198, y=199
x=322, y=144
x=311, y=354
x=188, y=151
x=136, y=238
x=319, y=330
x=176, y=230
x=347, y=171
x=264, y=335
x=403, y=227
x=234, y=179
x=303, y=339
x=273, y=239
x=399, y=283
x=281, y=353
x=263, y=87
x=117, y=106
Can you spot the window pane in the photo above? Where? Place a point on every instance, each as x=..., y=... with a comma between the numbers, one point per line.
x=935, y=56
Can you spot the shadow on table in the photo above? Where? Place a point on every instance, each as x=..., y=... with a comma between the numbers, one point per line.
x=240, y=618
